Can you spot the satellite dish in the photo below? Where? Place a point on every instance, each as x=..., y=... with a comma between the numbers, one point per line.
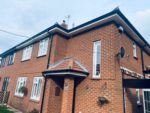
x=122, y=52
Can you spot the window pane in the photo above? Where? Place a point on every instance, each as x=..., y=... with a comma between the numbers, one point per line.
x=96, y=59
x=36, y=89
x=43, y=47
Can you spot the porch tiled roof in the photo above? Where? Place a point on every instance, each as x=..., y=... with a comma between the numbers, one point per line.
x=67, y=63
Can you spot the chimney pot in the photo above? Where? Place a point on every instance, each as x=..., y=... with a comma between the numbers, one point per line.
x=64, y=25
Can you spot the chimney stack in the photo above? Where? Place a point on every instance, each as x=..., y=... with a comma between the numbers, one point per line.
x=64, y=25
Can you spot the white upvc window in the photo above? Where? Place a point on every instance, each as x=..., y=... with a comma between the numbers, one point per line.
x=134, y=50
x=2, y=63
x=146, y=100
x=27, y=52
x=96, y=59
x=138, y=96
x=43, y=45
x=36, y=88
x=20, y=83
x=11, y=59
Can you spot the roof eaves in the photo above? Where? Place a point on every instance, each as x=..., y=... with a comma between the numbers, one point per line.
x=46, y=30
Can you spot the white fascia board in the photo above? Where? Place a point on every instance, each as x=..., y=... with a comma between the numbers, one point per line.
x=33, y=40
x=114, y=17
x=124, y=68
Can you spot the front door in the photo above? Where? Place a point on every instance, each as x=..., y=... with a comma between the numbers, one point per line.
x=146, y=100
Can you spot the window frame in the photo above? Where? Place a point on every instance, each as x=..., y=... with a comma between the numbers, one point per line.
x=11, y=59
x=134, y=50
x=27, y=53
x=145, y=90
x=36, y=81
x=95, y=44
x=20, y=80
x=43, y=47
x=3, y=62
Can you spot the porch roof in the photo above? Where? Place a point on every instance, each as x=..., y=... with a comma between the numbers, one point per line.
x=68, y=66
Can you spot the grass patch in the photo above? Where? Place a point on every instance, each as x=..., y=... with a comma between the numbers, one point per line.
x=4, y=109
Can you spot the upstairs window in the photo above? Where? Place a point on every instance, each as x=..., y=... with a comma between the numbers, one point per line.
x=36, y=88
x=43, y=45
x=20, y=83
x=134, y=50
x=96, y=59
x=11, y=59
x=27, y=53
x=2, y=62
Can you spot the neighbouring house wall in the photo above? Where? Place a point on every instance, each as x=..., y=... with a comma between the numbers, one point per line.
x=31, y=68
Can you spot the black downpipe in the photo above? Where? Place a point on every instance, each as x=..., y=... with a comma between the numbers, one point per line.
x=124, y=105
x=142, y=59
x=74, y=96
x=45, y=81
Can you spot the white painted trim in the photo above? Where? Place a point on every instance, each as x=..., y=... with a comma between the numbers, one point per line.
x=94, y=76
x=66, y=73
x=131, y=71
x=112, y=17
x=82, y=66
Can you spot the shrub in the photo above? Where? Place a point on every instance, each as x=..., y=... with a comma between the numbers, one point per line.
x=23, y=90
x=103, y=100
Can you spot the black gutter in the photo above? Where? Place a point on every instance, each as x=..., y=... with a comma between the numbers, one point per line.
x=116, y=11
x=45, y=81
x=142, y=59
x=65, y=70
x=74, y=96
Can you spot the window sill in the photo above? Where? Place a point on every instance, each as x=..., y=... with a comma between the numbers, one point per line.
x=25, y=60
x=18, y=96
x=40, y=56
x=93, y=78
x=35, y=100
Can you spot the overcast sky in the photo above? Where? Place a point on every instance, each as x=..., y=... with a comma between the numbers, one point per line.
x=28, y=17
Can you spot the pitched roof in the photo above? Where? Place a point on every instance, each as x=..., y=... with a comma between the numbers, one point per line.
x=68, y=64
x=115, y=16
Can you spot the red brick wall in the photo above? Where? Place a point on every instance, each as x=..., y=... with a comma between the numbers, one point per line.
x=88, y=91
x=32, y=68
